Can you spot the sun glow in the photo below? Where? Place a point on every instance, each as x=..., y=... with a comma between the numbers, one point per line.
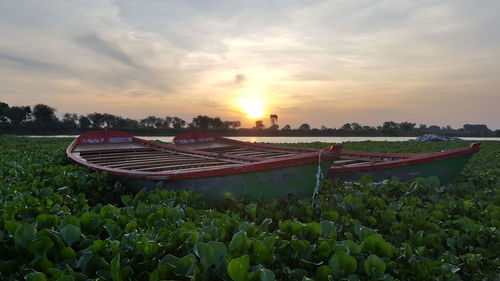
x=252, y=103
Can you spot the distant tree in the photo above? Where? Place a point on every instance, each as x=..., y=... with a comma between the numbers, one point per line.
x=18, y=114
x=4, y=108
x=127, y=123
x=216, y=123
x=69, y=120
x=84, y=122
x=274, y=119
x=259, y=125
x=168, y=122
x=476, y=129
x=356, y=126
x=44, y=113
x=152, y=122
x=390, y=128
x=422, y=127
x=232, y=124
x=324, y=128
x=407, y=126
x=286, y=128
x=346, y=127
x=201, y=122
x=434, y=128
x=304, y=127
x=178, y=123
x=97, y=120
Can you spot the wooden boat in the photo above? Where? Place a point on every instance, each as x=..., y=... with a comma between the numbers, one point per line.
x=351, y=165
x=149, y=164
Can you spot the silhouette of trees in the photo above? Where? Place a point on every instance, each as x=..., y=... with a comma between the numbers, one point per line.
x=44, y=113
x=259, y=125
x=304, y=127
x=286, y=128
x=84, y=122
x=274, y=122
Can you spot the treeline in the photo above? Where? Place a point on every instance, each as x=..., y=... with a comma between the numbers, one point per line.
x=41, y=119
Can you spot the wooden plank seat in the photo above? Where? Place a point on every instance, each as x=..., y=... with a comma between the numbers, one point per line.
x=163, y=162
x=142, y=160
x=104, y=151
x=182, y=166
x=125, y=155
x=344, y=162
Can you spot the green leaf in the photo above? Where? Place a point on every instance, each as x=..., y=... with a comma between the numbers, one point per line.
x=238, y=244
x=12, y=226
x=25, y=234
x=323, y=272
x=35, y=276
x=343, y=261
x=266, y=275
x=262, y=253
x=116, y=272
x=374, y=266
x=68, y=253
x=70, y=234
x=206, y=254
x=41, y=245
x=131, y=226
x=238, y=268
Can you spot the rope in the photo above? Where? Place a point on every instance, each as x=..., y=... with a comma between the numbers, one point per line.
x=319, y=177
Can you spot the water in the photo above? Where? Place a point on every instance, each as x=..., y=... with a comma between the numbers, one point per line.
x=296, y=139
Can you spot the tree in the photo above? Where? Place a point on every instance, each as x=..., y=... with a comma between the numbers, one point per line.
x=232, y=124
x=84, y=122
x=4, y=108
x=44, y=113
x=346, y=127
x=97, y=119
x=178, y=123
x=18, y=114
x=201, y=122
x=476, y=129
x=390, y=128
x=259, y=125
x=407, y=126
x=304, y=127
x=69, y=120
x=152, y=122
x=356, y=126
x=286, y=128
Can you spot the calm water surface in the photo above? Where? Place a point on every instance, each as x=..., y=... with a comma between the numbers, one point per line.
x=295, y=139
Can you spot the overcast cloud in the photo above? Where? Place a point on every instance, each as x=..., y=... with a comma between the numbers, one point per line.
x=321, y=62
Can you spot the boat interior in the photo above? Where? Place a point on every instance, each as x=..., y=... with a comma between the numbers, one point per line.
x=346, y=159
x=146, y=158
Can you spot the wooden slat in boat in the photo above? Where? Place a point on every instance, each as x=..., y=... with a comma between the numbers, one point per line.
x=180, y=166
x=139, y=159
x=150, y=163
x=149, y=160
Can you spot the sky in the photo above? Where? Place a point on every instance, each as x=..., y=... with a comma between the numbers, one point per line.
x=324, y=63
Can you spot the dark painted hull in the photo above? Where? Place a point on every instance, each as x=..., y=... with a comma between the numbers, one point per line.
x=298, y=181
x=445, y=169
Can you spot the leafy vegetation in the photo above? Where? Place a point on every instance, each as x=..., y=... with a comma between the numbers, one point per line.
x=60, y=221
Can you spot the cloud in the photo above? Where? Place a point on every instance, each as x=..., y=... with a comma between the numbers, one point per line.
x=239, y=78
x=306, y=57
x=105, y=48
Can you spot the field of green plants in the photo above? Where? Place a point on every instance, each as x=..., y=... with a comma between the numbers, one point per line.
x=60, y=221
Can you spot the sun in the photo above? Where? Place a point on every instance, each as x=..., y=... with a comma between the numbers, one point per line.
x=251, y=103
x=253, y=108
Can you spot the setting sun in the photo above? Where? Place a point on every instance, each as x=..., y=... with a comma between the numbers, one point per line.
x=251, y=103
x=253, y=108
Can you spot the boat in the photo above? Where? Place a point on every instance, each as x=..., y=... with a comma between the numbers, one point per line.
x=145, y=164
x=351, y=165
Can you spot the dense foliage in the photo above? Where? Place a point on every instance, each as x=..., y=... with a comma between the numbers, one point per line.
x=60, y=221
x=42, y=120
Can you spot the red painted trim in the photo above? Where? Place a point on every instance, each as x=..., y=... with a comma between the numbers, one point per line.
x=412, y=159
x=301, y=159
